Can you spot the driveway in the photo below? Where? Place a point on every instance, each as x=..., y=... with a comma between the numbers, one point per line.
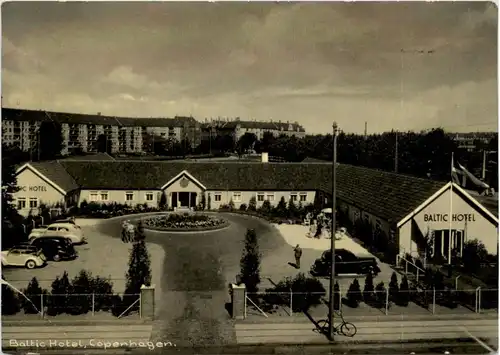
x=194, y=279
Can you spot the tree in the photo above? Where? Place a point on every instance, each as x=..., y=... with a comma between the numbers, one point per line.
x=394, y=287
x=103, y=145
x=11, y=304
x=139, y=272
x=354, y=294
x=404, y=293
x=59, y=301
x=139, y=231
x=292, y=209
x=11, y=219
x=252, y=204
x=34, y=293
x=368, y=290
x=203, y=202
x=246, y=142
x=163, y=201
x=474, y=254
x=380, y=294
x=209, y=202
x=231, y=205
x=250, y=263
x=81, y=299
x=51, y=140
x=265, y=209
x=281, y=210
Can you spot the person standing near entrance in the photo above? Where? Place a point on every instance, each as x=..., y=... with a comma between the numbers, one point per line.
x=298, y=255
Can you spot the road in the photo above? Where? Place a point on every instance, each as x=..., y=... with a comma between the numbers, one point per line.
x=195, y=277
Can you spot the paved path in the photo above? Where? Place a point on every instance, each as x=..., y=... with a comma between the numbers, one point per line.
x=195, y=276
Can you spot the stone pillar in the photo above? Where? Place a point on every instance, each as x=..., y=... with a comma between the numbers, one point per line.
x=238, y=301
x=147, y=302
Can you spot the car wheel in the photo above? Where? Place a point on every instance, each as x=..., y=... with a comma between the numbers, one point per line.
x=56, y=257
x=30, y=264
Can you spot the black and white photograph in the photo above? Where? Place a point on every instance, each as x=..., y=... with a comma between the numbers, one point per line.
x=249, y=177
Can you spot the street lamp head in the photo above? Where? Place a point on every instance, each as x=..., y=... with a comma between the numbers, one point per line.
x=334, y=125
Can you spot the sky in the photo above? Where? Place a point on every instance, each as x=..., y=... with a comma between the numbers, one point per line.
x=402, y=66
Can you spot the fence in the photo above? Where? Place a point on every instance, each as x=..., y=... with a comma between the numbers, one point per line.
x=386, y=301
x=76, y=304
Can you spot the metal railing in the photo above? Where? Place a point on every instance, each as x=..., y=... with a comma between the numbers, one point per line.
x=386, y=301
x=418, y=270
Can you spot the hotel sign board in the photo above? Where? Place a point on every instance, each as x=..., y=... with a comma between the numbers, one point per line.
x=35, y=188
x=445, y=217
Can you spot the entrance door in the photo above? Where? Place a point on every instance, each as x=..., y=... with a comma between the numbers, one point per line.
x=184, y=199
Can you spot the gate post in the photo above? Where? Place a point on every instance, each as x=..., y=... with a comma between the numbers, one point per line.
x=147, y=302
x=238, y=301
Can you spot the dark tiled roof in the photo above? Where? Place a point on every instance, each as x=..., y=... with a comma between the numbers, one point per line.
x=490, y=203
x=255, y=125
x=76, y=118
x=56, y=173
x=314, y=160
x=386, y=195
x=215, y=176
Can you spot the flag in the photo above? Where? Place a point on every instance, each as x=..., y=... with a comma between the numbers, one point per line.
x=477, y=182
x=456, y=173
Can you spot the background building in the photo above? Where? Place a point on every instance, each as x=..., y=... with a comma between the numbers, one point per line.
x=81, y=132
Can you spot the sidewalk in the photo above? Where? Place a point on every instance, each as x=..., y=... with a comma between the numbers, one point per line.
x=370, y=330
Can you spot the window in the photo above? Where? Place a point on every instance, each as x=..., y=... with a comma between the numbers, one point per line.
x=94, y=196
x=149, y=196
x=236, y=196
x=33, y=202
x=129, y=196
x=217, y=197
x=303, y=196
x=21, y=203
x=270, y=196
x=260, y=197
x=293, y=196
x=378, y=224
x=104, y=196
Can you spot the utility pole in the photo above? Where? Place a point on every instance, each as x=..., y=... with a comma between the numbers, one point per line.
x=333, y=230
x=396, y=154
x=483, y=172
x=366, y=129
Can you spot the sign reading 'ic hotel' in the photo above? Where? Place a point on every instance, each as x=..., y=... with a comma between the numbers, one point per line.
x=38, y=188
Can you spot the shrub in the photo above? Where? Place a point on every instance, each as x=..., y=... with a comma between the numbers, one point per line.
x=34, y=293
x=393, y=287
x=162, y=204
x=305, y=291
x=11, y=304
x=252, y=204
x=209, y=202
x=57, y=301
x=180, y=221
x=118, y=305
x=354, y=295
x=203, y=202
x=404, y=293
x=231, y=205
x=250, y=262
x=281, y=210
x=369, y=289
x=103, y=293
x=265, y=209
x=80, y=301
x=243, y=207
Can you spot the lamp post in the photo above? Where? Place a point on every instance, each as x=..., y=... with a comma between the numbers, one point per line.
x=333, y=229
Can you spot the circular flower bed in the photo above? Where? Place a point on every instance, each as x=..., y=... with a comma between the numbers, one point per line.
x=184, y=222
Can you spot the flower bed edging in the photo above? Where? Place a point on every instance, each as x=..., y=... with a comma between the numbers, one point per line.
x=211, y=228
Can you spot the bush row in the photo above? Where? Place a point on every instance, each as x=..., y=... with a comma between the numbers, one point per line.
x=78, y=296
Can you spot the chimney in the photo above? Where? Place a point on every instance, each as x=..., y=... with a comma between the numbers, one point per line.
x=265, y=157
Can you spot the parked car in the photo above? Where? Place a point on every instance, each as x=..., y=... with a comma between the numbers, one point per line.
x=67, y=230
x=23, y=256
x=55, y=248
x=346, y=262
x=66, y=220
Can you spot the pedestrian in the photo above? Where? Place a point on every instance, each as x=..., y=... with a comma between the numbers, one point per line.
x=298, y=254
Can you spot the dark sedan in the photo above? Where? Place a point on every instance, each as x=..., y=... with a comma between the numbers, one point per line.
x=345, y=263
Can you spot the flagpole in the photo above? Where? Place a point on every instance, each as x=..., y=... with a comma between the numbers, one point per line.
x=450, y=217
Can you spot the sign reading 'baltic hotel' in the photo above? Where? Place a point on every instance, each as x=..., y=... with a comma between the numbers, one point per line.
x=443, y=217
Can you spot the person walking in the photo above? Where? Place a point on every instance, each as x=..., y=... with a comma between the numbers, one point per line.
x=298, y=254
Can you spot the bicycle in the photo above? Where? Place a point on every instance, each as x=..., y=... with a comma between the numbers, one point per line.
x=345, y=328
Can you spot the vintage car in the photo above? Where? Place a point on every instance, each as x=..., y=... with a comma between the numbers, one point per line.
x=55, y=248
x=346, y=262
x=29, y=257
x=67, y=230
